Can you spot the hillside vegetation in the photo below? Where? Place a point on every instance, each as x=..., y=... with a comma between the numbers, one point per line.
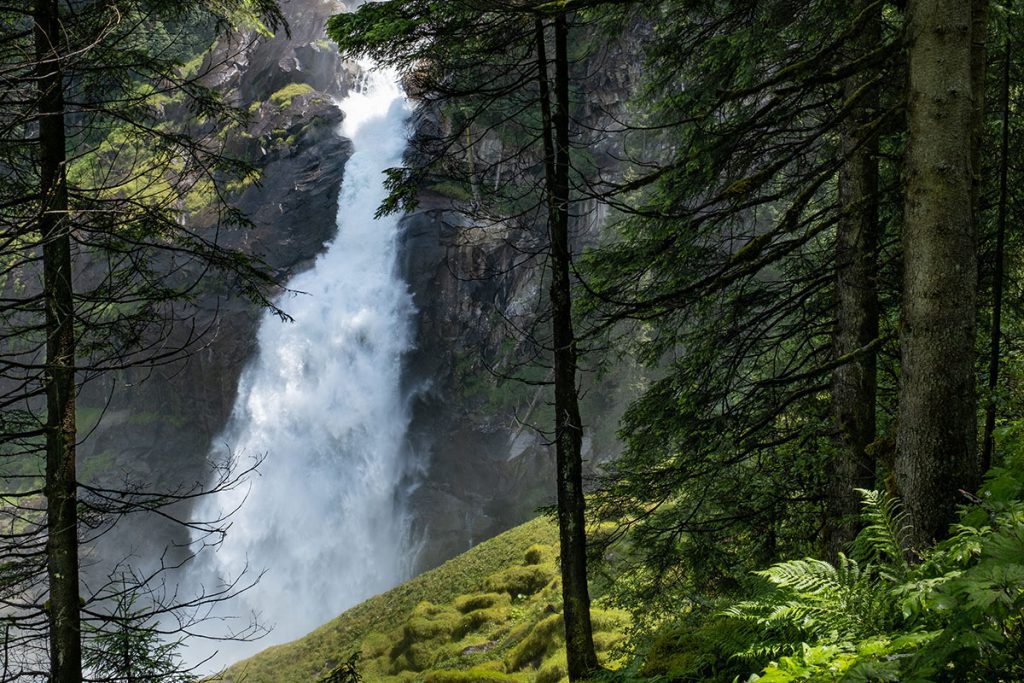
x=490, y=614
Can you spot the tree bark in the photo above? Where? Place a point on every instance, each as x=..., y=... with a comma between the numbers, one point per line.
x=54, y=228
x=579, y=639
x=1000, y=266
x=854, y=383
x=936, y=436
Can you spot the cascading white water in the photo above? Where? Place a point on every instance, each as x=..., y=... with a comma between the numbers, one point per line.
x=322, y=403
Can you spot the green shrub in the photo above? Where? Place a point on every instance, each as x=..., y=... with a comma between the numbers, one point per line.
x=958, y=615
x=700, y=651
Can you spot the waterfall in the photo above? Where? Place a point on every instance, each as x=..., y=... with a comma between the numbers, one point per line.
x=322, y=404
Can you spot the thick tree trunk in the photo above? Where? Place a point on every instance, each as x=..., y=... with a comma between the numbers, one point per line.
x=579, y=639
x=998, y=273
x=936, y=437
x=979, y=81
x=854, y=383
x=54, y=228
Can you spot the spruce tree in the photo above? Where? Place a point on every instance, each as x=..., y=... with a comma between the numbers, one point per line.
x=98, y=264
x=480, y=66
x=937, y=433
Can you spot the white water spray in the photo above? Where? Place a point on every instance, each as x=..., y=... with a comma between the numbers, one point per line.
x=322, y=402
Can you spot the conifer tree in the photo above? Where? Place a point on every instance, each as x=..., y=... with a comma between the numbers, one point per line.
x=480, y=66
x=97, y=265
x=937, y=434
x=749, y=262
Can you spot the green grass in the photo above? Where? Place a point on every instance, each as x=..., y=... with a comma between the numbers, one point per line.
x=492, y=614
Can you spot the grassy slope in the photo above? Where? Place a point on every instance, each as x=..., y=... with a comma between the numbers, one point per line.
x=490, y=614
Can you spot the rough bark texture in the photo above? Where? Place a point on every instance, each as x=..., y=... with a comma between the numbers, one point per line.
x=854, y=383
x=54, y=228
x=937, y=424
x=979, y=80
x=579, y=639
x=998, y=272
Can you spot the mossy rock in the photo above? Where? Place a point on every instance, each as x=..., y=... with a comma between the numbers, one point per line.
x=375, y=627
x=553, y=669
x=375, y=645
x=479, y=618
x=420, y=642
x=419, y=657
x=469, y=603
x=539, y=553
x=495, y=665
x=477, y=675
x=518, y=581
x=546, y=636
x=430, y=628
x=606, y=640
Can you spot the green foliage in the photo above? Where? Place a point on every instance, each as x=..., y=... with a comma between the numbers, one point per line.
x=470, y=676
x=882, y=541
x=346, y=672
x=129, y=646
x=814, y=600
x=448, y=626
x=718, y=277
x=958, y=615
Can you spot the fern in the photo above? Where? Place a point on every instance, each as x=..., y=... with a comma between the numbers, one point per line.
x=814, y=599
x=832, y=606
x=883, y=540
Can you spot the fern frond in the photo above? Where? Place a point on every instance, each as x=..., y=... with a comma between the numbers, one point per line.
x=803, y=576
x=882, y=540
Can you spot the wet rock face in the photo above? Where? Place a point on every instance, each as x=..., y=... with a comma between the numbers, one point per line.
x=487, y=468
x=489, y=464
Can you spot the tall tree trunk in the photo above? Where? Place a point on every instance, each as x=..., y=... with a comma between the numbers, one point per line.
x=979, y=81
x=579, y=639
x=854, y=383
x=54, y=227
x=936, y=436
x=1000, y=264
